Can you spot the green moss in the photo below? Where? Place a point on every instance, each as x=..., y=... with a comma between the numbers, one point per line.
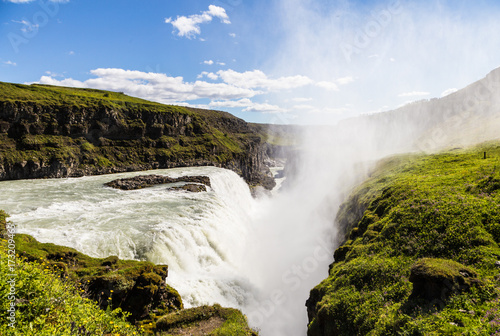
x=421, y=242
x=45, y=304
x=234, y=322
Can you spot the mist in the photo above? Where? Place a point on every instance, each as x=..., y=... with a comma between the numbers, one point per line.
x=404, y=43
x=381, y=54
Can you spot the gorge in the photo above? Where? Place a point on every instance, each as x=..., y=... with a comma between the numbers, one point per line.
x=261, y=255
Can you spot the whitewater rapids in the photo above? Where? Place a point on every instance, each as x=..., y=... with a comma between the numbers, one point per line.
x=221, y=246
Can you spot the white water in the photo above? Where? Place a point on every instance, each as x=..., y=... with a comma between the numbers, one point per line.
x=201, y=236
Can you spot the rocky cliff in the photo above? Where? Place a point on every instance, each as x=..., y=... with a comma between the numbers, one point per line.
x=59, y=132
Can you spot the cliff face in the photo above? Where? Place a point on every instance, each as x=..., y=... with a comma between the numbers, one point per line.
x=421, y=250
x=60, y=132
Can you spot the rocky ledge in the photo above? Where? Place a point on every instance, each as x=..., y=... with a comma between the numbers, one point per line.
x=144, y=181
x=191, y=187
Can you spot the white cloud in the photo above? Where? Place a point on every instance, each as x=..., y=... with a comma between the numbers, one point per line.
x=327, y=85
x=209, y=62
x=245, y=102
x=249, y=105
x=303, y=107
x=258, y=79
x=189, y=26
x=221, y=63
x=301, y=99
x=232, y=35
x=222, y=89
x=207, y=74
x=448, y=92
x=414, y=94
x=71, y=53
x=155, y=86
x=264, y=108
x=53, y=74
x=10, y=63
x=345, y=80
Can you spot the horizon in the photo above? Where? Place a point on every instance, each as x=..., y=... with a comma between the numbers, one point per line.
x=279, y=62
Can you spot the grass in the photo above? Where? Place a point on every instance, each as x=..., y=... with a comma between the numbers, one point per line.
x=421, y=239
x=47, y=305
x=234, y=323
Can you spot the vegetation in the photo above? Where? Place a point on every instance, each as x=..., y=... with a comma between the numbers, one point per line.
x=421, y=250
x=47, y=305
x=222, y=321
x=49, y=131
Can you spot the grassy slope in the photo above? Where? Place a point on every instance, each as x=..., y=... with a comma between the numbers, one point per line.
x=435, y=216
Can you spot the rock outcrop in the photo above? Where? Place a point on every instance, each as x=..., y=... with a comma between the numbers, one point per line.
x=144, y=181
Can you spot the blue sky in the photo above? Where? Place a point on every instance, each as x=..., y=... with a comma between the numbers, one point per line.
x=274, y=61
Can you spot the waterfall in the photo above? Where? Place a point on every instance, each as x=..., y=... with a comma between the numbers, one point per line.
x=201, y=236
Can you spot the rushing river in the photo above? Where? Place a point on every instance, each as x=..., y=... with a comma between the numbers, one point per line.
x=221, y=246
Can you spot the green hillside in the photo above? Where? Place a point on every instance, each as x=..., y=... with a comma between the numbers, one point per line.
x=424, y=257
x=49, y=131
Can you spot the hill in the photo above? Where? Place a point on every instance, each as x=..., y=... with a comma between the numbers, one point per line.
x=421, y=251
x=48, y=131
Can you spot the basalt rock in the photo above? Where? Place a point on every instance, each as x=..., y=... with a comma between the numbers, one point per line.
x=191, y=187
x=144, y=181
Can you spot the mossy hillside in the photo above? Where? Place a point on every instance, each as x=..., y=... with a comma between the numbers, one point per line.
x=46, y=305
x=137, y=287
x=225, y=321
x=48, y=131
x=421, y=242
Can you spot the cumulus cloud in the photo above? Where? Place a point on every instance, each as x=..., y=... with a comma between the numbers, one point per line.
x=245, y=102
x=301, y=99
x=264, y=108
x=226, y=88
x=189, y=26
x=154, y=86
x=345, y=80
x=414, y=94
x=258, y=79
x=303, y=107
x=448, y=92
x=10, y=63
x=209, y=62
x=207, y=74
x=327, y=85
